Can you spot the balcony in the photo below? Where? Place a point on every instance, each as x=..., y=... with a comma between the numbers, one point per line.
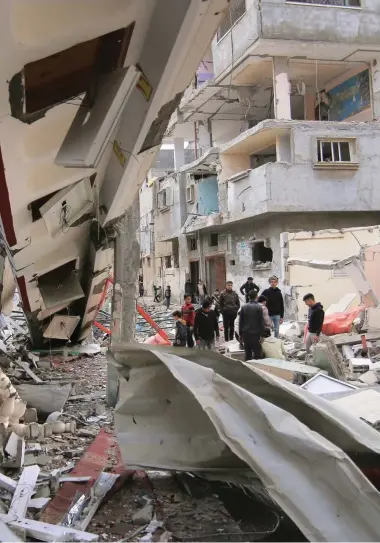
x=291, y=27
x=293, y=188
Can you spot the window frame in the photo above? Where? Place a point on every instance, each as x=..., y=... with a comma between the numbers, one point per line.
x=319, y=5
x=353, y=163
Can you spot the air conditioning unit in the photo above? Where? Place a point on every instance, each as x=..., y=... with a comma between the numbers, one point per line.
x=190, y=194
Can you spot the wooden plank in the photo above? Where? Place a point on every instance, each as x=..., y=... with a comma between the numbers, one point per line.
x=23, y=492
x=47, y=532
x=7, y=483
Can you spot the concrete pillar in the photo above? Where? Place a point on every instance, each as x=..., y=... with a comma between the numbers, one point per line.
x=204, y=138
x=375, y=80
x=283, y=149
x=126, y=270
x=183, y=257
x=202, y=265
x=281, y=85
x=309, y=104
x=179, y=153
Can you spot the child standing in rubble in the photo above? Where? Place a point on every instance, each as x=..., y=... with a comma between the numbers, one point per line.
x=180, y=330
x=188, y=313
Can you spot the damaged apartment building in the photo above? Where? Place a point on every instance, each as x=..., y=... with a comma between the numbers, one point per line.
x=284, y=137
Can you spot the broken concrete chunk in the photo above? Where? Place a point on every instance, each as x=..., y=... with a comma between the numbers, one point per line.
x=30, y=415
x=370, y=378
x=144, y=515
x=44, y=398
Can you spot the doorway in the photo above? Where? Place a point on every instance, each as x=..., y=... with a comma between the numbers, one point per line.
x=215, y=273
x=194, y=274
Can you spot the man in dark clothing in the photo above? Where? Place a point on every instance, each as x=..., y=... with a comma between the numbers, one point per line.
x=180, y=330
x=206, y=327
x=168, y=295
x=247, y=287
x=229, y=305
x=252, y=328
x=316, y=316
x=188, y=314
x=275, y=304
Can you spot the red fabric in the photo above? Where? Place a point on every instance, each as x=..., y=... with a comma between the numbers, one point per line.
x=188, y=314
x=338, y=323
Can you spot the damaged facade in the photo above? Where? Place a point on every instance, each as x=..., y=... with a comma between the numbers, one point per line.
x=283, y=142
x=84, y=104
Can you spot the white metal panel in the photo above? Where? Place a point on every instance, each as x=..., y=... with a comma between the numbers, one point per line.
x=92, y=128
x=67, y=206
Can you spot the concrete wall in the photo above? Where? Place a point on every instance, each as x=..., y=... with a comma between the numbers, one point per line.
x=279, y=20
x=328, y=287
x=168, y=221
x=298, y=186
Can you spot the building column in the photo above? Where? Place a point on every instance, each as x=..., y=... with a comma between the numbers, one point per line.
x=283, y=149
x=281, y=86
x=183, y=260
x=375, y=77
x=204, y=138
x=179, y=153
x=126, y=271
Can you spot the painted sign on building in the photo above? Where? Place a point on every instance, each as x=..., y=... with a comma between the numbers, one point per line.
x=350, y=97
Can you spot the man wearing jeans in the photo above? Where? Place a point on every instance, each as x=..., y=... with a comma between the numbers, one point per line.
x=275, y=303
x=206, y=327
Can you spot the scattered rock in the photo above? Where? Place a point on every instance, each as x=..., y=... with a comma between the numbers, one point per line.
x=144, y=515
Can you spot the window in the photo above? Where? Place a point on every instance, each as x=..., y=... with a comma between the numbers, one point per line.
x=339, y=3
x=193, y=243
x=334, y=151
x=261, y=254
x=164, y=198
x=168, y=261
x=213, y=240
x=148, y=263
x=233, y=14
x=190, y=194
x=232, y=262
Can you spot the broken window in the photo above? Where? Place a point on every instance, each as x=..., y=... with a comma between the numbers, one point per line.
x=261, y=254
x=168, y=261
x=334, y=151
x=341, y=3
x=34, y=207
x=193, y=243
x=213, y=240
x=71, y=72
x=164, y=198
x=234, y=12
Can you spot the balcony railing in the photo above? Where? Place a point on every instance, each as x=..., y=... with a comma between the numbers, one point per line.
x=338, y=3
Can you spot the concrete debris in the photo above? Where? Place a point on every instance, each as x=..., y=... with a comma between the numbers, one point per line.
x=144, y=515
x=45, y=398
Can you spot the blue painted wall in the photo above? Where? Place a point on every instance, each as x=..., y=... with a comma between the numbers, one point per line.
x=350, y=97
x=208, y=196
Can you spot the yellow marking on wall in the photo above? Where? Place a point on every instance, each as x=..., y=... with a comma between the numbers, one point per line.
x=119, y=154
x=145, y=87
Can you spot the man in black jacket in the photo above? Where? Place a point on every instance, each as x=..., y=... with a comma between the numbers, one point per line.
x=316, y=317
x=275, y=304
x=229, y=304
x=247, y=287
x=206, y=327
x=252, y=328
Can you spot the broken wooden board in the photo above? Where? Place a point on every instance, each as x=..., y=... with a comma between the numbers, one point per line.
x=23, y=493
x=47, y=532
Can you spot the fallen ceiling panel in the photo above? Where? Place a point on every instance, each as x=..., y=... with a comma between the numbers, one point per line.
x=194, y=418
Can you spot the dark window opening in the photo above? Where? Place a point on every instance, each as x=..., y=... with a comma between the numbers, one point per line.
x=261, y=254
x=232, y=262
x=34, y=207
x=213, y=242
x=148, y=262
x=168, y=261
x=175, y=245
x=73, y=71
x=193, y=243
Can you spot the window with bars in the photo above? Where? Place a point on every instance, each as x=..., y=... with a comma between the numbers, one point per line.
x=234, y=12
x=334, y=151
x=341, y=3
